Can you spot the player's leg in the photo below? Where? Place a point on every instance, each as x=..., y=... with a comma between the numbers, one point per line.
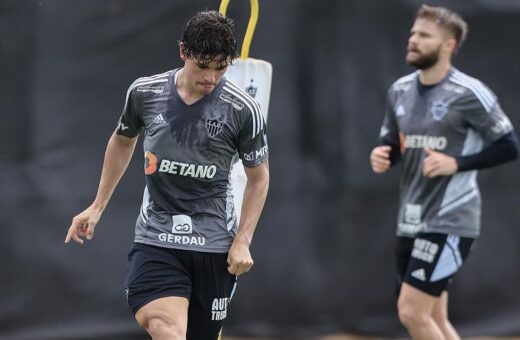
x=440, y=316
x=213, y=288
x=454, y=253
x=415, y=310
x=158, y=288
x=434, y=260
x=165, y=318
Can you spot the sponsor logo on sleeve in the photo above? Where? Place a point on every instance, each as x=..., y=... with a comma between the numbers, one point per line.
x=502, y=125
x=403, y=87
x=236, y=104
x=257, y=154
x=453, y=88
x=261, y=152
x=122, y=126
x=249, y=156
x=150, y=88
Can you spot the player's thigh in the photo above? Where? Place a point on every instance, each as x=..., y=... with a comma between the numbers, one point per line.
x=415, y=301
x=213, y=288
x=440, y=310
x=434, y=260
x=154, y=273
x=171, y=311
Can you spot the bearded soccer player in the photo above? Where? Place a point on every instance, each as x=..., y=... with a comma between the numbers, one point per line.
x=443, y=126
x=188, y=247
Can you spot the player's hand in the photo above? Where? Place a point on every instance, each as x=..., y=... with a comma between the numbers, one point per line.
x=380, y=158
x=438, y=164
x=239, y=259
x=83, y=225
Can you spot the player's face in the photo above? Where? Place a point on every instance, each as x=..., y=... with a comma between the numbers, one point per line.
x=425, y=44
x=202, y=78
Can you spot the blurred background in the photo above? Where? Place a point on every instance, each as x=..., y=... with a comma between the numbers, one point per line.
x=324, y=247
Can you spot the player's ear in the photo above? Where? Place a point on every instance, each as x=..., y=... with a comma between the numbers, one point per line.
x=182, y=53
x=451, y=45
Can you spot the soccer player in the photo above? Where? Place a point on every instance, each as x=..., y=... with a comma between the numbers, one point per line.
x=443, y=126
x=188, y=246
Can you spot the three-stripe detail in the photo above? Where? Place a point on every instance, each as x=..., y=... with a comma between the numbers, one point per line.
x=254, y=107
x=484, y=95
x=158, y=78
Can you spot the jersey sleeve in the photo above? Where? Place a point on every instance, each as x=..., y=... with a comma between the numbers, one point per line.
x=252, y=141
x=130, y=122
x=483, y=113
x=389, y=133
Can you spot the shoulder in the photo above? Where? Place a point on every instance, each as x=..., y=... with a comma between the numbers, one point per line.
x=404, y=83
x=238, y=98
x=472, y=89
x=154, y=83
x=244, y=105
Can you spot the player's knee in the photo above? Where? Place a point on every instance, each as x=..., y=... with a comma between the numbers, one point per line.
x=439, y=317
x=412, y=317
x=442, y=321
x=163, y=327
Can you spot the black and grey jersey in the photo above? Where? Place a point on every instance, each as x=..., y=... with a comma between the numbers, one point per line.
x=188, y=153
x=458, y=116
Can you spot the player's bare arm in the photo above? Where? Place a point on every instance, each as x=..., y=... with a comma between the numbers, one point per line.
x=255, y=193
x=380, y=158
x=438, y=164
x=117, y=156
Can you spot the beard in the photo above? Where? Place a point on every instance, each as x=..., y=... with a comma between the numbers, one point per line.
x=424, y=61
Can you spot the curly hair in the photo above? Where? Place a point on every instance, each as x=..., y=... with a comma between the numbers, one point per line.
x=208, y=35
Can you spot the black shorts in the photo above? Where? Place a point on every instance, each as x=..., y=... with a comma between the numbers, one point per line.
x=156, y=272
x=429, y=261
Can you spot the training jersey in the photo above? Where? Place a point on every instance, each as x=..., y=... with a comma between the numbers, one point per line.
x=458, y=116
x=188, y=154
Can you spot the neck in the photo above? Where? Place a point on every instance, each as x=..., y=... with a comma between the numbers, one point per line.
x=434, y=74
x=186, y=92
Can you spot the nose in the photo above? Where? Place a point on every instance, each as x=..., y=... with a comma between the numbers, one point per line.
x=210, y=76
x=412, y=39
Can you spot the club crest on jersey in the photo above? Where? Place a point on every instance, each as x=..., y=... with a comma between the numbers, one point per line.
x=251, y=90
x=213, y=127
x=439, y=109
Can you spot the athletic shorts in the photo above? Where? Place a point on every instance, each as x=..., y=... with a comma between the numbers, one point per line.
x=429, y=261
x=156, y=272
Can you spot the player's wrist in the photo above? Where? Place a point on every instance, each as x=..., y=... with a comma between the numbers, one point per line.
x=98, y=207
x=242, y=241
x=455, y=165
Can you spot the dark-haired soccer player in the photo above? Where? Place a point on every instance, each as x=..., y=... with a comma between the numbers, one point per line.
x=444, y=126
x=188, y=245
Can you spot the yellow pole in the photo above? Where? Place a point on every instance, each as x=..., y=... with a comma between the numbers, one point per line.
x=223, y=7
x=253, y=18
